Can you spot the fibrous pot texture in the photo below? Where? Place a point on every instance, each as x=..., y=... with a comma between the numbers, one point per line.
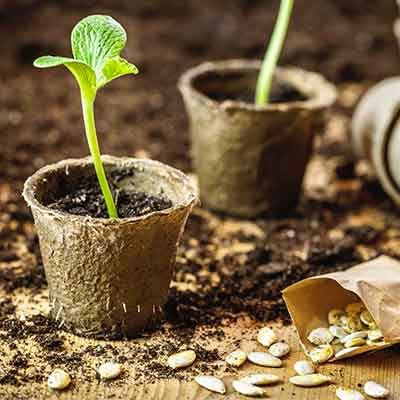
x=109, y=277
x=251, y=159
x=375, y=133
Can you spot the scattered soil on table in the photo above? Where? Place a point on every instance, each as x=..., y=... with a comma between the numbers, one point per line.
x=225, y=268
x=85, y=198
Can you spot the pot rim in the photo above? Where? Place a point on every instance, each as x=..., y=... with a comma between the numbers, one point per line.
x=29, y=191
x=380, y=155
x=324, y=95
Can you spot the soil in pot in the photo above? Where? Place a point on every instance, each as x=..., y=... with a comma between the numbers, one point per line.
x=85, y=198
x=216, y=89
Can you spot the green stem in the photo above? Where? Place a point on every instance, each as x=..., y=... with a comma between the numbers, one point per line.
x=90, y=127
x=272, y=55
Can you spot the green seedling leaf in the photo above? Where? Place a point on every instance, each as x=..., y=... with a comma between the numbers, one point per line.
x=82, y=72
x=97, y=42
x=97, y=38
x=114, y=68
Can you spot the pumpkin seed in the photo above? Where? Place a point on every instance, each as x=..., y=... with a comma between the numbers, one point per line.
x=58, y=379
x=279, y=349
x=355, y=342
x=264, y=359
x=343, y=320
x=304, y=367
x=366, y=318
x=309, y=380
x=337, y=347
x=266, y=336
x=211, y=383
x=321, y=353
x=236, y=358
x=337, y=331
x=375, y=390
x=373, y=325
x=247, y=389
x=343, y=352
x=334, y=316
x=261, y=379
x=355, y=335
x=348, y=394
x=320, y=336
x=182, y=359
x=109, y=370
x=376, y=343
x=355, y=308
x=375, y=334
x=354, y=324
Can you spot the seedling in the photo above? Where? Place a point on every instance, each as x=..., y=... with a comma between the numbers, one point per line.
x=265, y=77
x=96, y=43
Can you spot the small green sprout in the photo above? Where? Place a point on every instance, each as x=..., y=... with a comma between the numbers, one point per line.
x=96, y=43
x=264, y=81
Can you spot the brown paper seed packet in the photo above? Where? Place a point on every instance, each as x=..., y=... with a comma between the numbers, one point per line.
x=375, y=283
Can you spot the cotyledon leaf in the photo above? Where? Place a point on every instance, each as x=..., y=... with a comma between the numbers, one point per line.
x=82, y=72
x=114, y=68
x=95, y=39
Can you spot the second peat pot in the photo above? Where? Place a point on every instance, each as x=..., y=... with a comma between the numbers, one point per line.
x=250, y=159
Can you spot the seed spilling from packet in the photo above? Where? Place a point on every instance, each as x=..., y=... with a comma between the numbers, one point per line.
x=375, y=335
x=334, y=316
x=320, y=336
x=327, y=340
x=337, y=331
x=322, y=353
x=348, y=330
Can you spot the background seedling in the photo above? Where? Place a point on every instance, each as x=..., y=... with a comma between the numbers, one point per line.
x=96, y=43
x=266, y=74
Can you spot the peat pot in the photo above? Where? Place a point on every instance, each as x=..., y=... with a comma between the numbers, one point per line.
x=251, y=159
x=375, y=133
x=109, y=277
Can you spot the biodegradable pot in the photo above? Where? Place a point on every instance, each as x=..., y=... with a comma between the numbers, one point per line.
x=396, y=25
x=251, y=159
x=375, y=133
x=109, y=277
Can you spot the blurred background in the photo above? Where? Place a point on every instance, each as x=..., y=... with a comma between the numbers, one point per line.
x=40, y=117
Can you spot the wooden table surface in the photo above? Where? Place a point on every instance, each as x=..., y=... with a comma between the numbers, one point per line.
x=382, y=366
